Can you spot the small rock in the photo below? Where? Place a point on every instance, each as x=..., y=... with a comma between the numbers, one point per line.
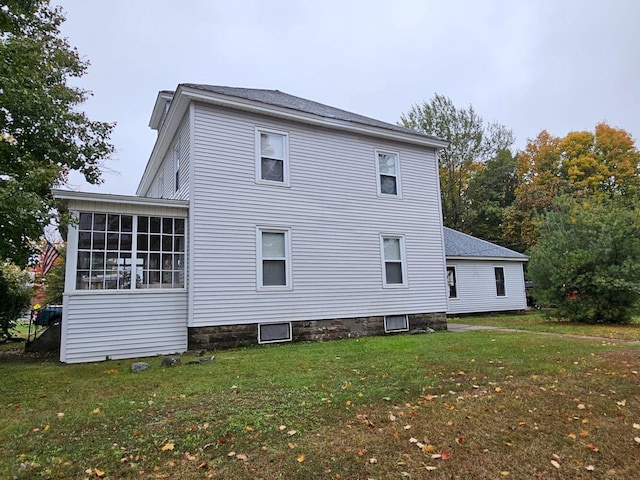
x=171, y=361
x=139, y=366
x=200, y=360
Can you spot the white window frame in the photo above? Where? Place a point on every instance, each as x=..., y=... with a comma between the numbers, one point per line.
x=279, y=340
x=403, y=261
x=285, y=161
x=504, y=280
x=287, y=258
x=176, y=166
x=403, y=329
x=455, y=282
x=398, y=193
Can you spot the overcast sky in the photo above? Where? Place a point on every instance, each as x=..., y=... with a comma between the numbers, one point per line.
x=559, y=65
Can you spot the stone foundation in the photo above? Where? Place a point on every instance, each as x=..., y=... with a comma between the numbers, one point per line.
x=229, y=336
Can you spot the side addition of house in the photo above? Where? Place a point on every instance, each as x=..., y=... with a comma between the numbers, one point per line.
x=260, y=217
x=482, y=276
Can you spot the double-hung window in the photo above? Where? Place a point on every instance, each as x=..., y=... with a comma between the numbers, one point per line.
x=388, y=171
x=500, y=287
x=272, y=157
x=394, y=267
x=274, y=259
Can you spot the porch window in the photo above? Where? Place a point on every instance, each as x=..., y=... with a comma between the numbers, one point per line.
x=129, y=251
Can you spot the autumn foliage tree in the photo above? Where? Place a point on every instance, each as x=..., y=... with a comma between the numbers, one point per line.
x=587, y=260
x=471, y=144
x=603, y=165
x=43, y=135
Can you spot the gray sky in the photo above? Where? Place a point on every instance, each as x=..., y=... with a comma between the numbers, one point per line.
x=559, y=65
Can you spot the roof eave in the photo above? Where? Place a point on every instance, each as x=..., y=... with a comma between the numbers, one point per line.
x=524, y=258
x=67, y=195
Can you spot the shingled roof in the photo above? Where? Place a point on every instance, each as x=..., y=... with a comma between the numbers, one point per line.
x=280, y=99
x=458, y=244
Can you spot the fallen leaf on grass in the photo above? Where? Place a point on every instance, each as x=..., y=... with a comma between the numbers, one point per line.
x=622, y=403
x=167, y=446
x=555, y=464
x=584, y=433
x=635, y=425
x=430, y=468
x=636, y=439
x=292, y=432
x=95, y=411
x=46, y=427
x=99, y=473
x=504, y=473
x=573, y=435
x=593, y=448
x=111, y=371
x=291, y=445
x=282, y=428
x=242, y=456
x=591, y=468
x=60, y=414
x=581, y=406
x=373, y=461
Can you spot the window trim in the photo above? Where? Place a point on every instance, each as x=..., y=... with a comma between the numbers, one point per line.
x=285, y=161
x=455, y=282
x=504, y=281
x=259, y=260
x=261, y=342
x=403, y=261
x=403, y=329
x=398, y=175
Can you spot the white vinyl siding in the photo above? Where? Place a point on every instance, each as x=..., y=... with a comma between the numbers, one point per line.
x=100, y=325
x=476, y=286
x=335, y=220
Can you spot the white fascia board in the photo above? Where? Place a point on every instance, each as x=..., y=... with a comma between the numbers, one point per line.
x=121, y=199
x=489, y=259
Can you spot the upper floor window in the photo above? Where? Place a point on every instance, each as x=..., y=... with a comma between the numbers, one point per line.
x=272, y=162
x=274, y=262
x=388, y=171
x=394, y=271
x=500, y=287
x=176, y=165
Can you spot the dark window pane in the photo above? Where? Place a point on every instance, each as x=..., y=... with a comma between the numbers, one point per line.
x=99, y=222
x=451, y=282
x=179, y=225
x=143, y=241
x=154, y=278
x=388, y=185
x=97, y=260
x=274, y=272
x=154, y=224
x=84, y=260
x=396, y=323
x=97, y=279
x=125, y=241
x=154, y=243
x=82, y=280
x=178, y=262
x=167, y=225
x=154, y=261
x=178, y=244
x=499, y=273
x=126, y=223
x=275, y=332
x=167, y=243
x=85, y=221
x=272, y=170
x=84, y=240
x=112, y=260
x=98, y=241
x=394, y=272
x=143, y=224
x=113, y=223
x=112, y=241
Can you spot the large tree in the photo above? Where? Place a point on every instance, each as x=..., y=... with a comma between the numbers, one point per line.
x=15, y=296
x=471, y=143
x=43, y=135
x=603, y=165
x=587, y=260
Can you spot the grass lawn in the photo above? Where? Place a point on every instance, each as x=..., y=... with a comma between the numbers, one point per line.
x=447, y=405
x=536, y=321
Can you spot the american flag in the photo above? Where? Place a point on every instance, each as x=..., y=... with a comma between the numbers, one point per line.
x=48, y=257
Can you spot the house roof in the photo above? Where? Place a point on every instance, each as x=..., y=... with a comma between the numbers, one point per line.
x=461, y=245
x=280, y=99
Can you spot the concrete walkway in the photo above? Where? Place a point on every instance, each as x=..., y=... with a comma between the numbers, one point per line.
x=463, y=327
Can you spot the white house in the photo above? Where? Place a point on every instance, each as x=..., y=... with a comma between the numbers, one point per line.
x=482, y=276
x=260, y=217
